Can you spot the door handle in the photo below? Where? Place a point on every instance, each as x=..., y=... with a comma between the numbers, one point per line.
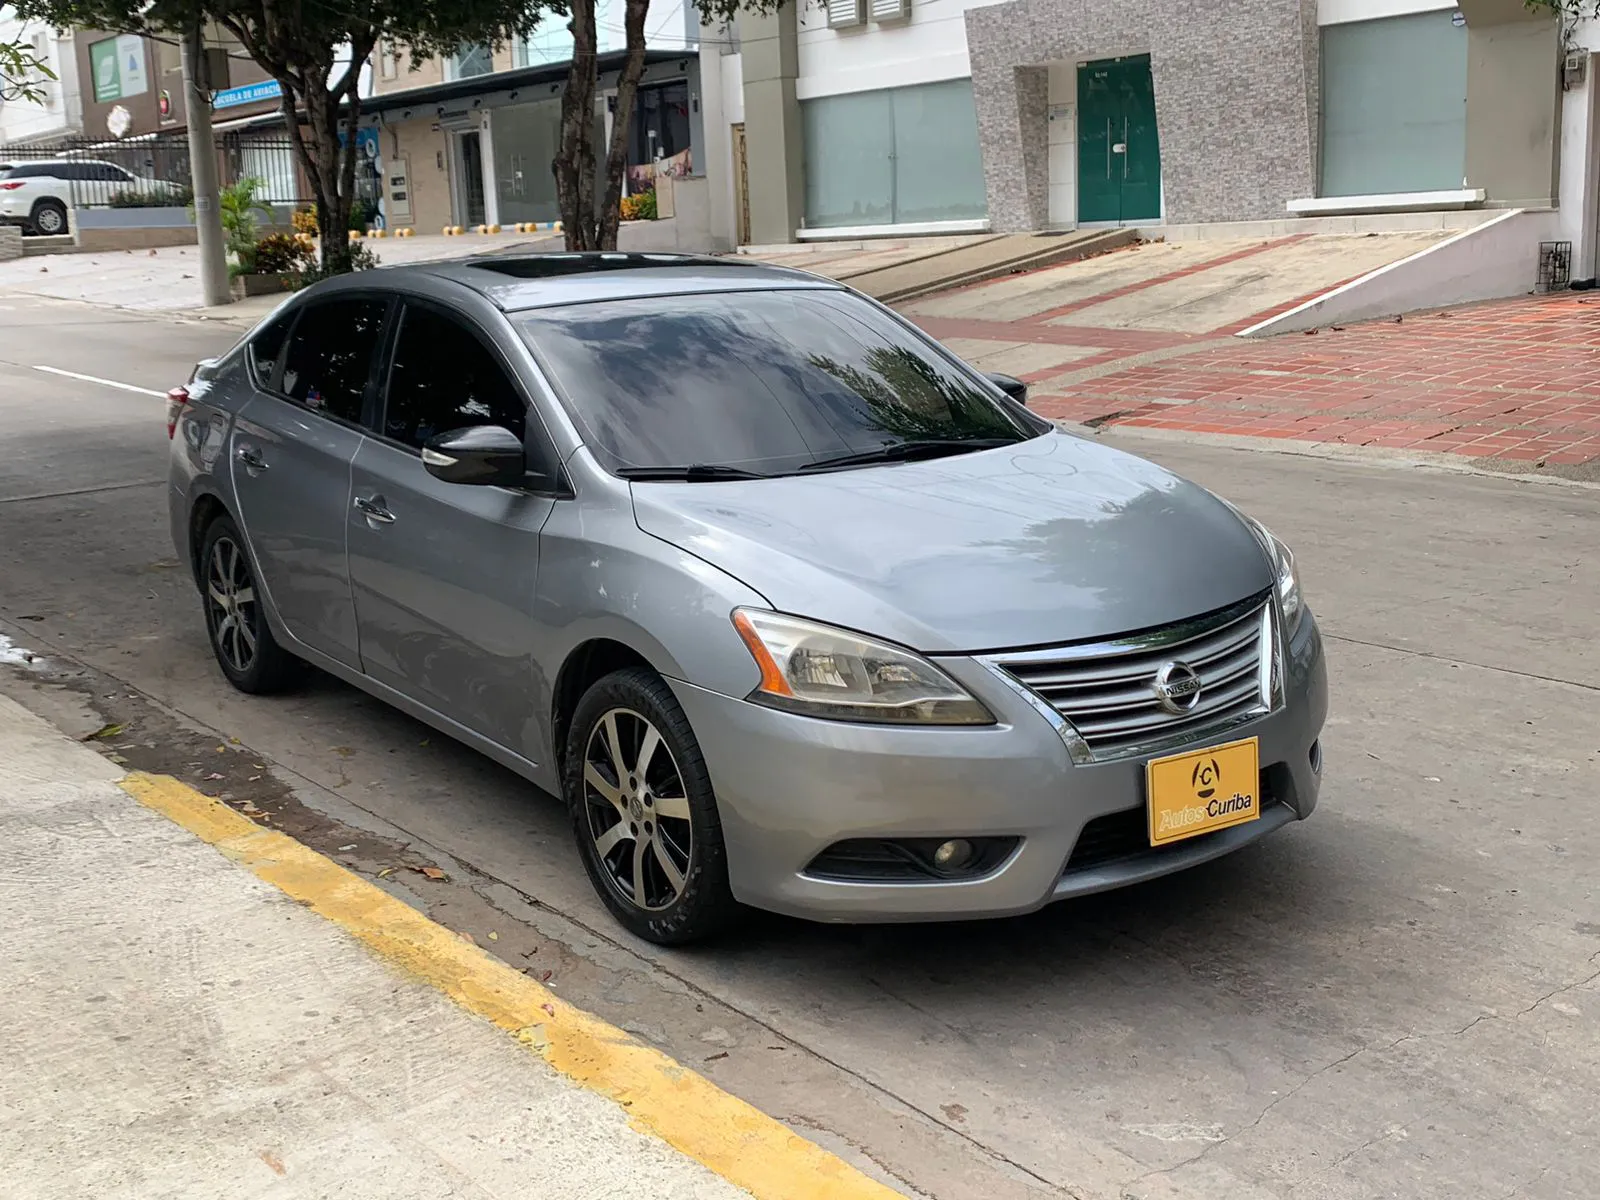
x=374, y=510
x=1124, y=148
x=1108, y=147
x=250, y=458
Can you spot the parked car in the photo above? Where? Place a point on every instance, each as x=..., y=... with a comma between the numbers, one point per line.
x=793, y=608
x=39, y=195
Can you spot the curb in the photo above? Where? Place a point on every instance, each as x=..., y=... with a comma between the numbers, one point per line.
x=687, y=1111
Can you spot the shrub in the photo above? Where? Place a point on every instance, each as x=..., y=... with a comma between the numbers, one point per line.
x=361, y=259
x=641, y=206
x=305, y=221
x=282, y=254
x=166, y=197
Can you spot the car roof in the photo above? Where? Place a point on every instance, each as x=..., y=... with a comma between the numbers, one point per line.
x=518, y=282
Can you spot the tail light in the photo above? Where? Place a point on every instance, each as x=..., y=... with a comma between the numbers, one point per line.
x=177, y=398
x=9, y=187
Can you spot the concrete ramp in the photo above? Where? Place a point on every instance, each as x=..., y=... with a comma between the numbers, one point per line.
x=1490, y=261
x=978, y=261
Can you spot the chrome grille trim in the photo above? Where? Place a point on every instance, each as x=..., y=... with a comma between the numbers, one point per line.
x=1101, y=697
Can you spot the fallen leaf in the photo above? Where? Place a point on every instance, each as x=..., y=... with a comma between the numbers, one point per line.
x=549, y=1008
x=431, y=872
x=385, y=873
x=267, y=1156
x=215, y=775
x=466, y=937
x=342, y=849
x=715, y=1057
x=546, y=976
x=118, y=759
x=106, y=731
x=493, y=936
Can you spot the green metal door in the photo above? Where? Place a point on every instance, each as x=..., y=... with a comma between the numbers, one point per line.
x=1119, y=153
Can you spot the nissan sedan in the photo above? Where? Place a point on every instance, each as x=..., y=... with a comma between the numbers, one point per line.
x=791, y=607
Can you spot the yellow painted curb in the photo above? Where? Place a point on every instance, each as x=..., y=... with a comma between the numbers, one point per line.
x=686, y=1110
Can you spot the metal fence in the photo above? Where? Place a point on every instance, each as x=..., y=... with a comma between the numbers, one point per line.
x=153, y=171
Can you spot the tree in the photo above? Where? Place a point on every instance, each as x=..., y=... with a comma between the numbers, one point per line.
x=299, y=44
x=585, y=227
x=21, y=73
x=1574, y=10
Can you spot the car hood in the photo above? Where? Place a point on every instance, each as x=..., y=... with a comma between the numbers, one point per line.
x=1053, y=540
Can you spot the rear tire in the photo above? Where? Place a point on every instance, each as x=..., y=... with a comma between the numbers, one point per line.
x=643, y=811
x=49, y=218
x=236, y=622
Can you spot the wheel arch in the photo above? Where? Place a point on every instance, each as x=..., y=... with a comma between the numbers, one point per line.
x=585, y=665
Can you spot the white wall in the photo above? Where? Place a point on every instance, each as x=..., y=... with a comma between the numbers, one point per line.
x=1579, y=199
x=928, y=47
x=62, y=111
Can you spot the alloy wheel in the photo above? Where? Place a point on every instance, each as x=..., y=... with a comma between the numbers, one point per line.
x=231, y=605
x=637, y=810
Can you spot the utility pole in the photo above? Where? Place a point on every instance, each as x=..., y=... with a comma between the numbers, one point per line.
x=203, y=171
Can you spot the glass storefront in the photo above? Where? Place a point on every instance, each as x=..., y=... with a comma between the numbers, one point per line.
x=527, y=138
x=893, y=157
x=1394, y=105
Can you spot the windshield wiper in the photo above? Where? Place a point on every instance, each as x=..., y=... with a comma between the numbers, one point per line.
x=908, y=451
x=694, y=473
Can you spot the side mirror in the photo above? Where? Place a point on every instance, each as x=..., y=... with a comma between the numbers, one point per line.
x=1010, y=385
x=485, y=455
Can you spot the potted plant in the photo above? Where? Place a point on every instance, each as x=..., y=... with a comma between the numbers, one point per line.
x=272, y=264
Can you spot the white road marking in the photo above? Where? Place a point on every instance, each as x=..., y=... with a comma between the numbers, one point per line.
x=110, y=383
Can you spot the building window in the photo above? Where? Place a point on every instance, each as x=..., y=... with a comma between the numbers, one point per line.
x=470, y=61
x=1394, y=105
x=388, y=67
x=894, y=157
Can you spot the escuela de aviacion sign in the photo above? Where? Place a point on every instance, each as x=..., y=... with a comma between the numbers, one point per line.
x=118, y=65
x=248, y=93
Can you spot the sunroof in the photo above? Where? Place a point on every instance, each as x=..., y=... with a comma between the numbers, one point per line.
x=551, y=266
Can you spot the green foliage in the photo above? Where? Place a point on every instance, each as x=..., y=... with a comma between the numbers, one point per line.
x=283, y=254
x=21, y=73
x=1573, y=10
x=238, y=206
x=360, y=258
x=641, y=206
x=167, y=197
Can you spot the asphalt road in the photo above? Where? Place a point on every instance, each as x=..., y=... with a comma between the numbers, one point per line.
x=1399, y=997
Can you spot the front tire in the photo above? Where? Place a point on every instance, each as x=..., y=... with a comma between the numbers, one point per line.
x=49, y=218
x=643, y=811
x=236, y=623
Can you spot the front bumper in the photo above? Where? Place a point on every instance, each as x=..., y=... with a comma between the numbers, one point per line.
x=789, y=787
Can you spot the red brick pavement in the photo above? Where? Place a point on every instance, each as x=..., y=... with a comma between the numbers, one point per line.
x=1516, y=379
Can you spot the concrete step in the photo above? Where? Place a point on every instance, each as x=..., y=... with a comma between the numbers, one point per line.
x=979, y=261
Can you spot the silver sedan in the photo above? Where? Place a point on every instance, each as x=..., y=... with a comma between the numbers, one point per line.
x=792, y=608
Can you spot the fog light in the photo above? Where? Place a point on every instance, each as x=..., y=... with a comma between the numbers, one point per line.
x=952, y=855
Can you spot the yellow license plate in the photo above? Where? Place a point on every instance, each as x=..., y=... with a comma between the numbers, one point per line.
x=1203, y=790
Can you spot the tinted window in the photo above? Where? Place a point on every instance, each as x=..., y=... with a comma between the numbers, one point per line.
x=106, y=172
x=766, y=381
x=444, y=378
x=267, y=345
x=330, y=355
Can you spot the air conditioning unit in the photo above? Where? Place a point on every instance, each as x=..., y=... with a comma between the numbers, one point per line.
x=843, y=14
x=890, y=10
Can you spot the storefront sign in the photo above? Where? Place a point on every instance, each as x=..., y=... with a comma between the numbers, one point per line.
x=249, y=93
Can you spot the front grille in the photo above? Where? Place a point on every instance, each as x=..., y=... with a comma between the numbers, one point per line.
x=1107, y=690
x=1126, y=834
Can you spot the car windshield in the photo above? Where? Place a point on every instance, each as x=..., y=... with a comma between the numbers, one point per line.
x=766, y=382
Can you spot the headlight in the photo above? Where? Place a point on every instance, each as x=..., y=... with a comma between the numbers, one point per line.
x=820, y=671
x=1291, y=606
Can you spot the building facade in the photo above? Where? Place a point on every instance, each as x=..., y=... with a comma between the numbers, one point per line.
x=470, y=140
x=59, y=111
x=919, y=116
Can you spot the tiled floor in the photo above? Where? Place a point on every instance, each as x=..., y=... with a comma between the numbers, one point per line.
x=1516, y=379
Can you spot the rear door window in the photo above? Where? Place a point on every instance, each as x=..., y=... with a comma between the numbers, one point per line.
x=444, y=377
x=330, y=356
x=265, y=347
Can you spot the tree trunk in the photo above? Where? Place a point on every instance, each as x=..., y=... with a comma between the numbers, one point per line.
x=329, y=165
x=574, y=162
x=627, y=89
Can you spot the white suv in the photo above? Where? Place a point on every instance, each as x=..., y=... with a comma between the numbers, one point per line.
x=39, y=195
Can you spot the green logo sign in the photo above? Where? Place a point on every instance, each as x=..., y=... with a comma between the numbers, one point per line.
x=119, y=71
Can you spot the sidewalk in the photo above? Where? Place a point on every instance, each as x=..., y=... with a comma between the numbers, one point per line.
x=177, y=1025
